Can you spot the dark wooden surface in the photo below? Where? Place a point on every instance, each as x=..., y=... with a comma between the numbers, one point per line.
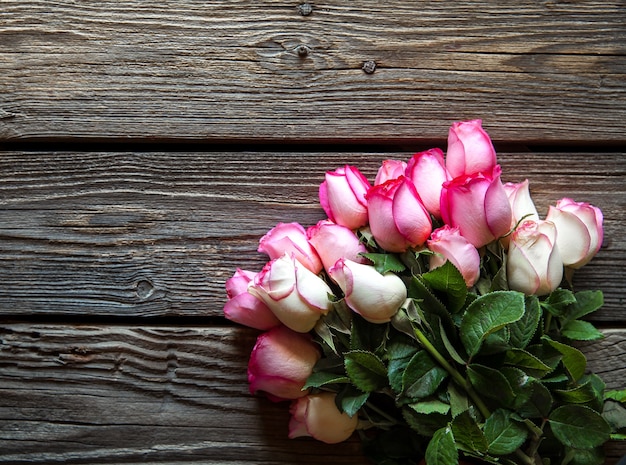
x=146, y=146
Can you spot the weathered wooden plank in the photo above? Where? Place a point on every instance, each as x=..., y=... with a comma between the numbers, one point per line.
x=263, y=71
x=118, y=394
x=157, y=234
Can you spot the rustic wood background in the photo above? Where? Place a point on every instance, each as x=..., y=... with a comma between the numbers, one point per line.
x=146, y=146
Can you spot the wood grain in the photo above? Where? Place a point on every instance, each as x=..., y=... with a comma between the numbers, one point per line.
x=119, y=394
x=157, y=234
x=238, y=70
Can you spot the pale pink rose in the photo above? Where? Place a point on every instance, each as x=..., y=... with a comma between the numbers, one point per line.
x=470, y=150
x=242, y=307
x=342, y=196
x=534, y=264
x=297, y=296
x=522, y=205
x=478, y=206
x=580, y=232
x=390, y=169
x=375, y=296
x=333, y=241
x=428, y=173
x=290, y=238
x=397, y=218
x=317, y=416
x=448, y=244
x=280, y=363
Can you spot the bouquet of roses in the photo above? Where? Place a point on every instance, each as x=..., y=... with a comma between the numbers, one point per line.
x=433, y=312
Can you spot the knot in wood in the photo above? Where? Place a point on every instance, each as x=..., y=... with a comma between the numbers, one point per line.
x=302, y=50
x=144, y=289
x=369, y=67
x=305, y=9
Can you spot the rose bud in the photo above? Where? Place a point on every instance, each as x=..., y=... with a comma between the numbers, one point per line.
x=534, y=264
x=470, y=150
x=397, y=218
x=448, y=244
x=297, y=296
x=342, y=196
x=244, y=308
x=428, y=173
x=333, y=241
x=478, y=206
x=317, y=415
x=374, y=296
x=580, y=232
x=390, y=169
x=290, y=238
x=522, y=205
x=280, y=363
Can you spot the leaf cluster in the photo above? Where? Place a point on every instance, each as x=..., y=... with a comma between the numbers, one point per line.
x=485, y=373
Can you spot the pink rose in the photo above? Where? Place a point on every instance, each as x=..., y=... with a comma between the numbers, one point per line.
x=280, y=363
x=534, y=264
x=297, y=296
x=333, y=241
x=478, y=206
x=374, y=296
x=397, y=218
x=342, y=196
x=470, y=150
x=428, y=173
x=448, y=244
x=317, y=415
x=580, y=232
x=390, y=169
x=290, y=238
x=242, y=307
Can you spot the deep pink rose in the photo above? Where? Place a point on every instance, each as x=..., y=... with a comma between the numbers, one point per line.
x=470, y=150
x=534, y=264
x=579, y=228
x=333, y=241
x=375, y=296
x=290, y=238
x=280, y=363
x=317, y=415
x=342, y=196
x=478, y=206
x=390, y=169
x=242, y=307
x=448, y=244
x=428, y=173
x=297, y=296
x=397, y=218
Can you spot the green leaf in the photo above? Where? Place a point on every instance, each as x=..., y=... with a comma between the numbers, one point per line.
x=503, y=435
x=322, y=378
x=424, y=424
x=449, y=347
x=573, y=360
x=448, y=280
x=459, y=402
x=422, y=376
x=365, y=370
x=467, y=433
x=559, y=300
x=385, y=262
x=538, y=404
x=579, y=427
x=618, y=395
x=491, y=383
x=521, y=384
x=584, y=456
x=366, y=336
x=350, y=400
x=441, y=449
x=586, y=302
x=579, y=330
x=526, y=361
x=431, y=406
x=487, y=314
x=581, y=394
x=523, y=330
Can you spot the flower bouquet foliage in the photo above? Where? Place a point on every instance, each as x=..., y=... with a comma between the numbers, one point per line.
x=433, y=312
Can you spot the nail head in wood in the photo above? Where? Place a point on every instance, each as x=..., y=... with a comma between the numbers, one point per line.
x=369, y=67
x=305, y=9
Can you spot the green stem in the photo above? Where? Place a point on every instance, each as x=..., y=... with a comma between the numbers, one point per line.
x=548, y=323
x=456, y=376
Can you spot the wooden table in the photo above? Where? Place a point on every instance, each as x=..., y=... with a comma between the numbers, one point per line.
x=146, y=146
